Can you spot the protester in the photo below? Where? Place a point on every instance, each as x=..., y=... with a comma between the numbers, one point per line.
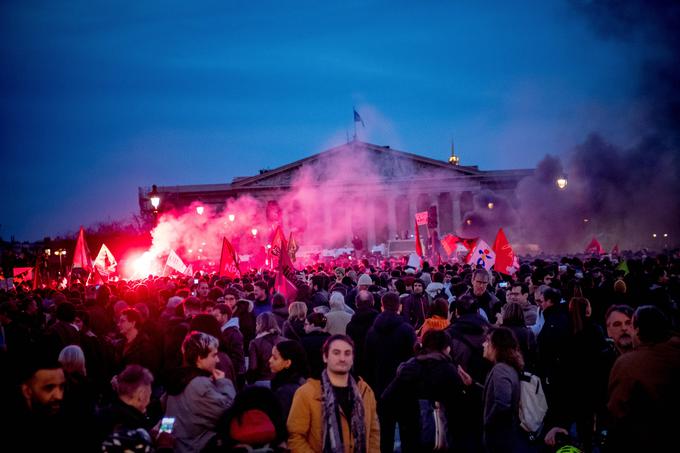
x=288, y=364
x=334, y=413
x=260, y=349
x=198, y=394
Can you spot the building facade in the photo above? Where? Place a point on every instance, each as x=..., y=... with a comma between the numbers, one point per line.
x=357, y=189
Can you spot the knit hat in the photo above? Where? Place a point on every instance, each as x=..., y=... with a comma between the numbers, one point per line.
x=365, y=279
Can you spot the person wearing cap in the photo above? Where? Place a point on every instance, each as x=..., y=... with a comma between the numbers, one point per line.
x=364, y=282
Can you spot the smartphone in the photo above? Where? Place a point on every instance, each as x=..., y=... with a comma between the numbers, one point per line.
x=195, y=281
x=503, y=285
x=166, y=424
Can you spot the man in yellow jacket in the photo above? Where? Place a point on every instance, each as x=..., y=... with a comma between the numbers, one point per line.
x=335, y=414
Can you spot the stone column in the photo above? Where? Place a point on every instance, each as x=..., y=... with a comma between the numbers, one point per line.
x=370, y=222
x=412, y=209
x=457, y=219
x=391, y=217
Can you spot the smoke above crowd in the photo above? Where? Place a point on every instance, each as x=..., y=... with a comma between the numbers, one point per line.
x=621, y=194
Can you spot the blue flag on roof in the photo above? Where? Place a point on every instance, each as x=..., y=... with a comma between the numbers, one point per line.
x=357, y=118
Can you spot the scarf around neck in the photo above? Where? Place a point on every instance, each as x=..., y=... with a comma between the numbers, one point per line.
x=332, y=432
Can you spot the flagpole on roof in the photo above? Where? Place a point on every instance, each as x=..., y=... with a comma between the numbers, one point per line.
x=354, y=121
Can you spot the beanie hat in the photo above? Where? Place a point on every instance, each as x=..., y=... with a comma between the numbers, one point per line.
x=365, y=279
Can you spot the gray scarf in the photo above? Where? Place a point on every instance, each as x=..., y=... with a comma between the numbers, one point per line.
x=332, y=433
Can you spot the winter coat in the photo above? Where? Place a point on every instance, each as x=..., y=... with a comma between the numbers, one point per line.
x=414, y=308
x=389, y=342
x=313, y=343
x=259, y=352
x=294, y=329
x=197, y=403
x=357, y=329
x=644, y=397
x=502, y=432
x=466, y=331
x=119, y=416
x=284, y=386
x=232, y=342
x=305, y=423
x=432, y=376
x=337, y=319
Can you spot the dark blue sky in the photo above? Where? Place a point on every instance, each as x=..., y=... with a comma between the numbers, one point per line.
x=98, y=98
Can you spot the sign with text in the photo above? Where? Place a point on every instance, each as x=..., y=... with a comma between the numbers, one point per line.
x=421, y=218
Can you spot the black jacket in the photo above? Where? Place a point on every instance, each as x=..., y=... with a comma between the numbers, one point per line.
x=357, y=330
x=389, y=342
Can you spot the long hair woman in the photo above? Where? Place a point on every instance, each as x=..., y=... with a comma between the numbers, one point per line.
x=289, y=365
x=502, y=431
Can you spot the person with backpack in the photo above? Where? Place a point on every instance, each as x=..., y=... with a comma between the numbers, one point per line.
x=425, y=394
x=502, y=431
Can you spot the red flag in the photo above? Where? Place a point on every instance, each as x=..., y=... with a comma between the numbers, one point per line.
x=505, y=256
x=419, y=246
x=594, y=247
x=95, y=278
x=283, y=283
x=615, y=250
x=276, y=244
x=36, y=274
x=228, y=261
x=81, y=255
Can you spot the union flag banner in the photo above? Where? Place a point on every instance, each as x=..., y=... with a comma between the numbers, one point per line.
x=175, y=262
x=228, y=261
x=594, y=247
x=105, y=262
x=81, y=255
x=505, y=256
x=482, y=255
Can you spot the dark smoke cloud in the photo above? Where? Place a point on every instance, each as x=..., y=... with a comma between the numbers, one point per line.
x=626, y=193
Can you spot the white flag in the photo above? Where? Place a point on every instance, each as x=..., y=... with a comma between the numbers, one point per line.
x=189, y=270
x=482, y=255
x=175, y=262
x=105, y=261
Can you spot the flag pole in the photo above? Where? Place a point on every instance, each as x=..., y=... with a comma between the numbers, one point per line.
x=354, y=121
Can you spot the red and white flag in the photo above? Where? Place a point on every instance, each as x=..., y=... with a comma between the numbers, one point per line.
x=594, y=247
x=176, y=262
x=229, y=261
x=105, y=262
x=505, y=256
x=481, y=255
x=81, y=255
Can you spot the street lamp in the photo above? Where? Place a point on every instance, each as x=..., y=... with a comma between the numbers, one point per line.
x=561, y=182
x=490, y=205
x=232, y=217
x=154, y=198
x=60, y=253
x=199, y=209
x=254, y=232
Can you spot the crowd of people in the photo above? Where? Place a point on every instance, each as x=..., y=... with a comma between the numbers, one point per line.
x=217, y=364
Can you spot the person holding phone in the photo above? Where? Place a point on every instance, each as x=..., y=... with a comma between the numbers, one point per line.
x=198, y=394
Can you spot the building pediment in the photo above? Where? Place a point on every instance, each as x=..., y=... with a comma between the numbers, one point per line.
x=387, y=163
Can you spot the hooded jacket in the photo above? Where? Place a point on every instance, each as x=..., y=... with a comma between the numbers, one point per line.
x=197, y=403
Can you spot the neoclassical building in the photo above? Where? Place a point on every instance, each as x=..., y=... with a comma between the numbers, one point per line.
x=398, y=185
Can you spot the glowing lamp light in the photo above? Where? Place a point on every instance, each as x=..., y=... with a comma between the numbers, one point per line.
x=254, y=231
x=561, y=182
x=468, y=221
x=199, y=210
x=665, y=235
x=490, y=205
x=232, y=217
x=268, y=246
x=586, y=220
x=154, y=198
x=191, y=251
x=653, y=235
